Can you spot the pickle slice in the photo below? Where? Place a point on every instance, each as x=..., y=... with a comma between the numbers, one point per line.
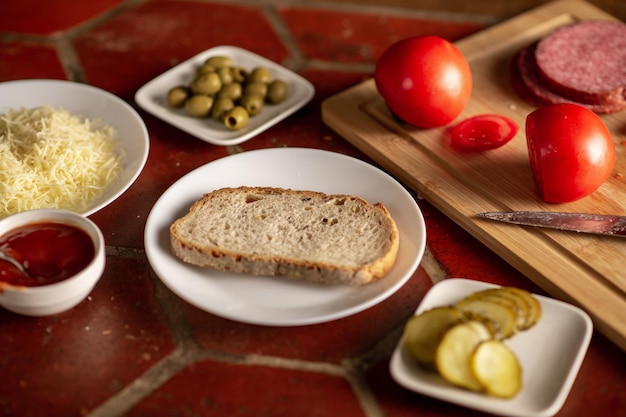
x=454, y=351
x=463, y=342
x=503, y=318
x=423, y=332
x=534, y=306
x=515, y=302
x=496, y=368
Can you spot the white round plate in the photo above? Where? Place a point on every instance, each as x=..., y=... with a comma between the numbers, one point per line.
x=93, y=103
x=277, y=301
x=152, y=97
x=550, y=354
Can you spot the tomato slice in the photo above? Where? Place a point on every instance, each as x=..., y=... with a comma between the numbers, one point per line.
x=483, y=132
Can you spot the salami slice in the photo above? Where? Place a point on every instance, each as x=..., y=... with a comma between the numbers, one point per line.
x=530, y=85
x=585, y=62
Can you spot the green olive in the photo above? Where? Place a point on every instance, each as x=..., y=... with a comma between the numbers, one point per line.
x=233, y=91
x=221, y=106
x=226, y=75
x=205, y=69
x=219, y=61
x=276, y=91
x=199, y=105
x=253, y=103
x=240, y=75
x=260, y=75
x=255, y=88
x=208, y=84
x=236, y=119
x=228, y=93
x=176, y=96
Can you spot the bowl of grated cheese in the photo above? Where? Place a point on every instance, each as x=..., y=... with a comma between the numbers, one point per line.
x=66, y=145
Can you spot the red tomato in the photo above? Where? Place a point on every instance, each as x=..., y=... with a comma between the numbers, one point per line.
x=571, y=151
x=425, y=80
x=483, y=132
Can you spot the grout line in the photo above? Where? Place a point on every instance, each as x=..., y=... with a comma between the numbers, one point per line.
x=144, y=385
x=359, y=366
x=103, y=17
x=70, y=62
x=340, y=66
x=186, y=351
x=296, y=59
x=120, y=252
x=326, y=368
x=365, y=8
x=432, y=267
x=363, y=392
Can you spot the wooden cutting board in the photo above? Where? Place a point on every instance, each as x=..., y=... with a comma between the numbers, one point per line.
x=586, y=270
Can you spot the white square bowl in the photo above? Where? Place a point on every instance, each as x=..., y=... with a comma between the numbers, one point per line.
x=550, y=354
x=152, y=97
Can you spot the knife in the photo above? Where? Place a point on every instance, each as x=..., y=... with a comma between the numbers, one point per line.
x=602, y=224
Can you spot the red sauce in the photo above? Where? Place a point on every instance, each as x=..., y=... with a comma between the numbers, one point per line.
x=50, y=252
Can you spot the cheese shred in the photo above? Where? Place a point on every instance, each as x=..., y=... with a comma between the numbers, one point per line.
x=50, y=158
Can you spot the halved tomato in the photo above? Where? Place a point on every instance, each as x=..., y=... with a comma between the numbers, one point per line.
x=571, y=151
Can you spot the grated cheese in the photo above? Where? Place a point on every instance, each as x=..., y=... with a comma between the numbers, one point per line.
x=50, y=158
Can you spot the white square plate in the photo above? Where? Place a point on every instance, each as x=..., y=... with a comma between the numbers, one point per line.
x=152, y=97
x=550, y=353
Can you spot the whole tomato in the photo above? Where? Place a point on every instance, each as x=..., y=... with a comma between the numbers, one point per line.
x=425, y=80
x=571, y=151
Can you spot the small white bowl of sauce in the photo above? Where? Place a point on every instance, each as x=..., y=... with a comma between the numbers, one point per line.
x=62, y=253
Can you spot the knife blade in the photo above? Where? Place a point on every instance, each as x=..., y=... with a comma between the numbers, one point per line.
x=601, y=224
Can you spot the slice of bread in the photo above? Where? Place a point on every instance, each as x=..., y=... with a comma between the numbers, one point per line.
x=305, y=235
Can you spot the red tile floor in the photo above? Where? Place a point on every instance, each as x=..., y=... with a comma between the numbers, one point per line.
x=133, y=347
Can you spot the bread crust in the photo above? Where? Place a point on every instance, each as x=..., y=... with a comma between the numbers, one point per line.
x=202, y=252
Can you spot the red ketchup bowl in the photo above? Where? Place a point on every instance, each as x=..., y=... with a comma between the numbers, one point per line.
x=63, y=254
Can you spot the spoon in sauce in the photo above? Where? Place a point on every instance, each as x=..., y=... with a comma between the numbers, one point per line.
x=14, y=262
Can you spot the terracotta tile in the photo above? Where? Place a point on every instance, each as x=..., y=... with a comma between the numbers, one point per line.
x=329, y=342
x=351, y=37
x=221, y=389
x=43, y=17
x=120, y=55
x=73, y=361
x=23, y=60
x=123, y=222
x=592, y=391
